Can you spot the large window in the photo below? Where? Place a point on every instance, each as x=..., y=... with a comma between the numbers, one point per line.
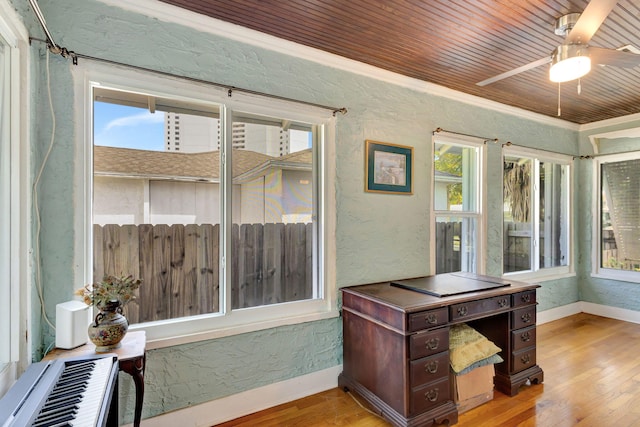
x=216, y=205
x=535, y=212
x=619, y=216
x=457, y=205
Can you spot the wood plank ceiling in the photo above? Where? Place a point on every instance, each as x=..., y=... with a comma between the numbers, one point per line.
x=456, y=43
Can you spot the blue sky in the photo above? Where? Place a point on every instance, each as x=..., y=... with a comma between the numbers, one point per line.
x=128, y=127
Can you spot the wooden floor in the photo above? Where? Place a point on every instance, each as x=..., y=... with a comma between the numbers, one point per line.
x=591, y=370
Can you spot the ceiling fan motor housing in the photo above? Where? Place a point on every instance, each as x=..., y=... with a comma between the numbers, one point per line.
x=565, y=23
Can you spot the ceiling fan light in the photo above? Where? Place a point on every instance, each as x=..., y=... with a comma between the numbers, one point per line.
x=569, y=62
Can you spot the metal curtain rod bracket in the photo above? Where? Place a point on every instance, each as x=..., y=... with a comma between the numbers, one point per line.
x=230, y=89
x=438, y=130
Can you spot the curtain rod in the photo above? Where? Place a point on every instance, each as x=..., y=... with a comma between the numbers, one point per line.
x=438, y=130
x=511, y=144
x=74, y=57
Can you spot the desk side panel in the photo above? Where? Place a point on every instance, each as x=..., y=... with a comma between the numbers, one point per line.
x=375, y=357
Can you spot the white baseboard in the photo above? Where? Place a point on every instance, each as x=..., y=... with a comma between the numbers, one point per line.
x=624, y=314
x=558, y=313
x=231, y=407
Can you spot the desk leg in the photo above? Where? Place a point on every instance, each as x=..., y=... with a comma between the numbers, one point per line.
x=135, y=368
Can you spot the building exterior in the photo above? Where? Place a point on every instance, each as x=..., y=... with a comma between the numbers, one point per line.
x=153, y=187
x=191, y=134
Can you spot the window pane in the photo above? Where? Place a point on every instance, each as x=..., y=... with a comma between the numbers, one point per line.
x=456, y=170
x=553, y=215
x=156, y=204
x=456, y=242
x=272, y=210
x=517, y=214
x=620, y=215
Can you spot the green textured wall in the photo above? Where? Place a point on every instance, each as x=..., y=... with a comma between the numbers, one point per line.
x=378, y=236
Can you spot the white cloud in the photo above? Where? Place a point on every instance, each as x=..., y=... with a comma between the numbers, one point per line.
x=136, y=120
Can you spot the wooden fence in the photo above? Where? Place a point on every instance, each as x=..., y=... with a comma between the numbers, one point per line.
x=517, y=246
x=448, y=235
x=449, y=240
x=610, y=256
x=179, y=265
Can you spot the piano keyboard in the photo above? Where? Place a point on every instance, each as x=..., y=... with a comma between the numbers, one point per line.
x=61, y=393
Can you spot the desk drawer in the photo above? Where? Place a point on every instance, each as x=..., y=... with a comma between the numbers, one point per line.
x=523, y=317
x=428, y=319
x=430, y=396
x=523, y=338
x=473, y=309
x=427, y=343
x=523, y=359
x=524, y=298
x=429, y=369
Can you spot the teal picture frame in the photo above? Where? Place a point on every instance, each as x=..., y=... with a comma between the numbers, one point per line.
x=388, y=168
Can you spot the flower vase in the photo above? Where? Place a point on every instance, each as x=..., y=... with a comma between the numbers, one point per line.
x=108, y=328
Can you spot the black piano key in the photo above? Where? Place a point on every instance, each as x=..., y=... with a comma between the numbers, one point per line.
x=70, y=394
x=77, y=378
x=54, y=405
x=61, y=390
x=55, y=422
x=57, y=414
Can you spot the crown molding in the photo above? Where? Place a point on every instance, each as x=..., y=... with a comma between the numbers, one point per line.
x=169, y=13
x=610, y=122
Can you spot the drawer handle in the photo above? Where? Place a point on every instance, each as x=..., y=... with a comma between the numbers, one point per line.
x=526, y=317
x=526, y=298
x=525, y=359
x=433, y=343
x=431, y=319
x=502, y=302
x=462, y=311
x=431, y=367
x=525, y=336
x=431, y=395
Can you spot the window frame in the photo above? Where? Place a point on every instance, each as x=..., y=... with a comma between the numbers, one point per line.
x=596, y=257
x=16, y=207
x=537, y=156
x=481, y=197
x=226, y=322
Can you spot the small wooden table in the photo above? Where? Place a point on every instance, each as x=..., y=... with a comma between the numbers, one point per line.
x=132, y=358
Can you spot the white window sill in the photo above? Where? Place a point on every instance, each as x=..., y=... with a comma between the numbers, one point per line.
x=228, y=326
x=620, y=276
x=539, y=276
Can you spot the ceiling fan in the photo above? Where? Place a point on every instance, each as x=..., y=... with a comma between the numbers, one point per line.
x=572, y=59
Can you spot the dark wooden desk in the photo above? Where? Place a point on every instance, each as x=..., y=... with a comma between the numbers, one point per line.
x=396, y=345
x=131, y=359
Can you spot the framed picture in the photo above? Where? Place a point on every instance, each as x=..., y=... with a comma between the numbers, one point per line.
x=388, y=168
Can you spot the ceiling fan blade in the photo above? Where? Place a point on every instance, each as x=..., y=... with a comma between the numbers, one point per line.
x=617, y=58
x=590, y=20
x=515, y=71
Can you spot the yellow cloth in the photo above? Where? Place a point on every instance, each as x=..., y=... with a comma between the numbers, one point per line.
x=467, y=346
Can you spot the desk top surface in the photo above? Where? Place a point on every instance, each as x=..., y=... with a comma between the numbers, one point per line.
x=409, y=300
x=133, y=346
